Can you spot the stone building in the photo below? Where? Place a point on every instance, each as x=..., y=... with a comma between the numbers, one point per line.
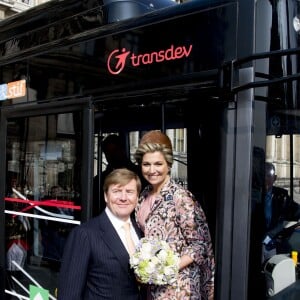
x=11, y=7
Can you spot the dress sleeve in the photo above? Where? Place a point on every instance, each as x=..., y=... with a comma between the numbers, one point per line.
x=194, y=228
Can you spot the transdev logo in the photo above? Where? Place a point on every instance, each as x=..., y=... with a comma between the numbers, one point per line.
x=117, y=58
x=13, y=89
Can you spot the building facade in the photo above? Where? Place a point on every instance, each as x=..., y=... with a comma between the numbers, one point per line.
x=11, y=7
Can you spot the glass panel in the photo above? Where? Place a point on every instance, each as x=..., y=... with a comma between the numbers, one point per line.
x=178, y=171
x=296, y=167
x=278, y=152
x=276, y=194
x=178, y=139
x=42, y=202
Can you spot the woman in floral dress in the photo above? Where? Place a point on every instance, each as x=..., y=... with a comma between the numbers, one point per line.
x=169, y=212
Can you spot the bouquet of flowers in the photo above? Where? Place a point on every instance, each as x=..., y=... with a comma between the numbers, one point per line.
x=154, y=262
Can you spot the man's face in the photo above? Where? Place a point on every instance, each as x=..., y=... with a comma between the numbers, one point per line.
x=122, y=200
x=270, y=178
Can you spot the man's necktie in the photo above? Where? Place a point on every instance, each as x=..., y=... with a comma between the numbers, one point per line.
x=129, y=240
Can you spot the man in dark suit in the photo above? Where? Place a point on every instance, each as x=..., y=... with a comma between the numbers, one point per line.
x=95, y=263
x=271, y=208
x=278, y=208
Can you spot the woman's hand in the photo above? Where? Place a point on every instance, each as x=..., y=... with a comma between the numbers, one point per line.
x=185, y=260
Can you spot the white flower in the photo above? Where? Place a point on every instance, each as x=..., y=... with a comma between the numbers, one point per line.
x=155, y=262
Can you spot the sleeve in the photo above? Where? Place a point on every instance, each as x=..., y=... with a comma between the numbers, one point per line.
x=289, y=206
x=293, y=210
x=288, y=211
x=74, y=268
x=194, y=227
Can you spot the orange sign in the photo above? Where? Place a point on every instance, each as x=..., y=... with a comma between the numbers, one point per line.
x=13, y=89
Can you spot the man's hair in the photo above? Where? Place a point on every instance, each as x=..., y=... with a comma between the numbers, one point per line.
x=269, y=169
x=112, y=139
x=122, y=177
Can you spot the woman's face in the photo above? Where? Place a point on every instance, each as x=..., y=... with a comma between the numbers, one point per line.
x=155, y=168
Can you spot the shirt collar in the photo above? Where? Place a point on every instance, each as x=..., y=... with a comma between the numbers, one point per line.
x=117, y=223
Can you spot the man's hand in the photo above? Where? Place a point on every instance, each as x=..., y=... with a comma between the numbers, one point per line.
x=269, y=243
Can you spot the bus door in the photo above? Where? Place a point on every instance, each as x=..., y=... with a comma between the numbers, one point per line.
x=194, y=132
x=43, y=198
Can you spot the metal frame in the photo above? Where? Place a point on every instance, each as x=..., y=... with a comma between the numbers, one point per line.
x=19, y=111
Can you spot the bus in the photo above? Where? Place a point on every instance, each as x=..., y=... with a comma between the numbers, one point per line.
x=220, y=78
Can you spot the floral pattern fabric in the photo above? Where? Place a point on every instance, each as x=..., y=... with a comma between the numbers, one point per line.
x=177, y=218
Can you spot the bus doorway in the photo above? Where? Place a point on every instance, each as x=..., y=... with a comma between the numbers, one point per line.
x=43, y=196
x=195, y=134
x=46, y=154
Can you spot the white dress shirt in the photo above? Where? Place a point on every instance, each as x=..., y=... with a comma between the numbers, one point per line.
x=118, y=225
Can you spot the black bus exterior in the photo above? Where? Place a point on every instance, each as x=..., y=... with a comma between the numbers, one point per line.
x=220, y=77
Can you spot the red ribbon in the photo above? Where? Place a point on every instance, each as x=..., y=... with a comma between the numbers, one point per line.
x=50, y=202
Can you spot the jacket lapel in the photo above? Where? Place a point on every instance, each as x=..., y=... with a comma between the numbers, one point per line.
x=113, y=241
x=136, y=228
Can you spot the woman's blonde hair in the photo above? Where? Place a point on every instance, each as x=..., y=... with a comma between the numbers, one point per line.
x=153, y=147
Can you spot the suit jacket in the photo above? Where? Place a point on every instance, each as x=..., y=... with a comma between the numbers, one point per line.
x=95, y=264
x=283, y=209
